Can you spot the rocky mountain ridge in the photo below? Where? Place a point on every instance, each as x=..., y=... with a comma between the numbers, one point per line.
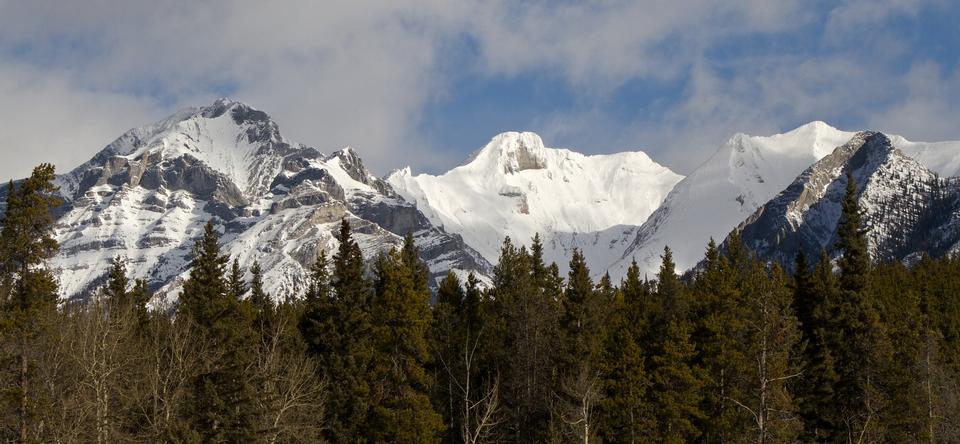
x=147, y=195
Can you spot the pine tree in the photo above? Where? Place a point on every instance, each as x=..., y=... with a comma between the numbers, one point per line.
x=668, y=286
x=676, y=385
x=626, y=414
x=769, y=340
x=860, y=349
x=401, y=315
x=338, y=332
x=579, y=321
x=316, y=319
x=908, y=372
x=222, y=405
x=582, y=330
x=473, y=304
x=118, y=299
x=815, y=390
x=719, y=313
x=28, y=290
x=140, y=296
x=446, y=337
x=523, y=346
x=263, y=306
x=235, y=283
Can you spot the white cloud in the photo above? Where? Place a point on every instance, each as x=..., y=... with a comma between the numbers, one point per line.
x=928, y=111
x=46, y=119
x=361, y=73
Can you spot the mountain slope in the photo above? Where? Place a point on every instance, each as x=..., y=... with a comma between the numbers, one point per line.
x=743, y=174
x=909, y=210
x=147, y=195
x=517, y=187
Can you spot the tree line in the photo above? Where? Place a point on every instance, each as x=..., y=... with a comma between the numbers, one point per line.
x=843, y=350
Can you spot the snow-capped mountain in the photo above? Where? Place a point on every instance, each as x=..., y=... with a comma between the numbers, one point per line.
x=908, y=208
x=517, y=187
x=147, y=195
x=742, y=175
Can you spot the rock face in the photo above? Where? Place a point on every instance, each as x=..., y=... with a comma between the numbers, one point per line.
x=147, y=195
x=908, y=208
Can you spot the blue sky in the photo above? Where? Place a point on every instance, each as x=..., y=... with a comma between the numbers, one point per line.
x=426, y=82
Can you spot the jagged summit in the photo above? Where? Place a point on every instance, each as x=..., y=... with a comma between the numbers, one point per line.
x=147, y=195
x=229, y=138
x=908, y=209
x=510, y=152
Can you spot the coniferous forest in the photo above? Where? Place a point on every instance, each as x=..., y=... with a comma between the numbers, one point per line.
x=844, y=350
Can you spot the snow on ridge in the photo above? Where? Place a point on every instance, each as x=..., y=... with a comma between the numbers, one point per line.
x=517, y=187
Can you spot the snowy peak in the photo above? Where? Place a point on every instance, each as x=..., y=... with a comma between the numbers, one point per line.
x=904, y=204
x=148, y=194
x=511, y=152
x=229, y=139
x=743, y=173
x=517, y=187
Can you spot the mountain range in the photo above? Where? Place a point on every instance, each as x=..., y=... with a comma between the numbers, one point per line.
x=147, y=195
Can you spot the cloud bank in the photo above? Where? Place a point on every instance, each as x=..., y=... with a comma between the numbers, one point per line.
x=674, y=78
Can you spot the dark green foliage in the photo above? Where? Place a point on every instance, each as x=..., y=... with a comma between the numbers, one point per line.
x=235, y=283
x=626, y=411
x=140, y=296
x=861, y=349
x=262, y=303
x=524, y=345
x=222, y=403
x=735, y=352
x=28, y=293
x=580, y=320
x=719, y=314
x=676, y=384
x=338, y=331
x=401, y=317
x=117, y=283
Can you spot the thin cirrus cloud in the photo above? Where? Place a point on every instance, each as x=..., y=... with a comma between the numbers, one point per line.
x=674, y=78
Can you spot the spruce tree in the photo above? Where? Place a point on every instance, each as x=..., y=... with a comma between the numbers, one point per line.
x=579, y=322
x=582, y=331
x=338, y=333
x=316, y=320
x=669, y=286
x=676, y=384
x=719, y=314
x=222, y=409
x=815, y=390
x=860, y=349
x=401, y=316
x=626, y=414
x=524, y=345
x=263, y=306
x=28, y=289
x=140, y=296
x=116, y=288
x=767, y=343
x=447, y=336
x=235, y=283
